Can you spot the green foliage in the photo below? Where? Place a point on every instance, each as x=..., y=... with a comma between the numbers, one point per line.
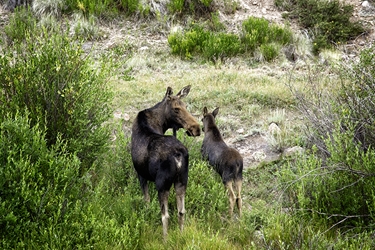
x=269, y=51
x=215, y=24
x=107, y=8
x=258, y=31
x=221, y=46
x=38, y=183
x=194, y=7
x=328, y=22
x=339, y=189
x=338, y=186
x=20, y=24
x=357, y=97
x=185, y=45
x=49, y=75
x=212, y=45
x=206, y=194
x=176, y=6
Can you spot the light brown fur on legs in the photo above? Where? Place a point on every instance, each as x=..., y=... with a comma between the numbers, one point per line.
x=180, y=197
x=163, y=200
x=238, y=185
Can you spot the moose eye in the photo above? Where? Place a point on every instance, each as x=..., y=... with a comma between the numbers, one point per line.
x=176, y=110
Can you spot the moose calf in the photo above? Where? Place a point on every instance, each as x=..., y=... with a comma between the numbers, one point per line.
x=226, y=161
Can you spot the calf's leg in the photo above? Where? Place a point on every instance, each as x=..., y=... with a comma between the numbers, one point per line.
x=232, y=197
x=238, y=184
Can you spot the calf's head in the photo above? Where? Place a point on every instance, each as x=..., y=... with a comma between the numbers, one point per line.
x=209, y=118
x=177, y=114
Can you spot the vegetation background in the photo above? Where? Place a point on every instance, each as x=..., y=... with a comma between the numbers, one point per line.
x=286, y=74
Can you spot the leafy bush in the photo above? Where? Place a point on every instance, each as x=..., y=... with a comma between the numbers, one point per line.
x=103, y=8
x=197, y=8
x=338, y=189
x=257, y=33
x=328, y=22
x=49, y=75
x=269, y=51
x=357, y=97
x=38, y=183
x=335, y=182
x=188, y=43
x=20, y=24
x=221, y=46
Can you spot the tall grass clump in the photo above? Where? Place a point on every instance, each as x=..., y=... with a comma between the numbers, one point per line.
x=328, y=22
x=334, y=183
x=49, y=75
x=48, y=7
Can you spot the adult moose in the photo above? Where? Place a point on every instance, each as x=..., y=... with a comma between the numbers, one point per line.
x=161, y=158
x=226, y=161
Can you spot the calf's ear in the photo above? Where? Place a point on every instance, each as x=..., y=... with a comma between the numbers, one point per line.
x=215, y=112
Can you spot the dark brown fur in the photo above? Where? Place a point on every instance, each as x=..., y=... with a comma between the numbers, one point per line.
x=227, y=161
x=160, y=158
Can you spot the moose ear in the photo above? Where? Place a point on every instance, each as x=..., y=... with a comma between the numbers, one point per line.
x=184, y=91
x=205, y=111
x=214, y=113
x=169, y=92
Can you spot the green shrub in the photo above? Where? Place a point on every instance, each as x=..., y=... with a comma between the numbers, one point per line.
x=108, y=8
x=335, y=182
x=38, y=183
x=206, y=195
x=338, y=189
x=63, y=89
x=196, y=8
x=20, y=24
x=176, y=6
x=269, y=51
x=357, y=97
x=188, y=43
x=328, y=22
x=221, y=46
x=199, y=40
x=258, y=31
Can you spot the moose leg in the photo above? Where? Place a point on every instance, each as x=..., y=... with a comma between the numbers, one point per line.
x=180, y=197
x=238, y=184
x=163, y=200
x=232, y=197
x=144, y=187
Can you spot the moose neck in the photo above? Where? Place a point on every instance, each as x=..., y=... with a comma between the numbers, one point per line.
x=157, y=118
x=213, y=130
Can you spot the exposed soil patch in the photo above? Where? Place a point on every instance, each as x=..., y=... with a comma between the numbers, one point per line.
x=255, y=149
